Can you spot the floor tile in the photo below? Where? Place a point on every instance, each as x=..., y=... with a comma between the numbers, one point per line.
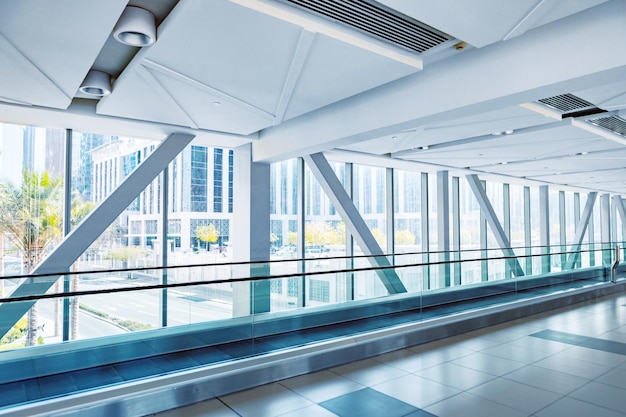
x=595, y=356
x=209, y=408
x=310, y=411
x=515, y=395
x=546, y=379
x=582, y=369
x=267, y=400
x=442, y=354
x=410, y=361
x=367, y=402
x=456, y=376
x=368, y=372
x=544, y=345
x=570, y=407
x=415, y=390
x=321, y=386
x=468, y=405
x=616, y=378
x=517, y=353
x=488, y=363
x=603, y=395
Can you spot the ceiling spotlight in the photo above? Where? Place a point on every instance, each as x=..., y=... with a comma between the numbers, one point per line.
x=136, y=27
x=504, y=132
x=424, y=148
x=96, y=84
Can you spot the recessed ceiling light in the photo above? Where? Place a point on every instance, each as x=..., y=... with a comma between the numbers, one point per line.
x=96, y=84
x=136, y=27
x=425, y=147
x=504, y=132
x=217, y=103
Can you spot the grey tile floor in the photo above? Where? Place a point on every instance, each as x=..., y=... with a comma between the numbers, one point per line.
x=568, y=362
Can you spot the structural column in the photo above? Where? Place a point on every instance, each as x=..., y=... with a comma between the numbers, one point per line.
x=425, y=231
x=443, y=228
x=605, y=228
x=251, y=232
x=544, y=227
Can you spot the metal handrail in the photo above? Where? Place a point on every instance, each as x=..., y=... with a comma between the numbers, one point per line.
x=235, y=280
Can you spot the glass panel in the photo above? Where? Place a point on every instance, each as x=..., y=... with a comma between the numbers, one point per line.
x=369, y=199
x=32, y=170
x=407, y=227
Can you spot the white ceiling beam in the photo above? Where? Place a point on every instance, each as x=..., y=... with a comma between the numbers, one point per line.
x=297, y=64
x=81, y=116
x=541, y=63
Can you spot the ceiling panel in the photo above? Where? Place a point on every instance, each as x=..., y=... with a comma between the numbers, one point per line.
x=47, y=48
x=335, y=70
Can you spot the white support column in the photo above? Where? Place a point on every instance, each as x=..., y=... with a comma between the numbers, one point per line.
x=544, y=227
x=605, y=228
x=456, y=231
x=577, y=220
x=506, y=211
x=494, y=224
x=300, y=225
x=581, y=228
x=329, y=182
x=618, y=201
x=164, y=242
x=79, y=239
x=443, y=228
x=425, y=230
x=562, y=227
x=251, y=230
x=391, y=211
x=484, y=253
x=527, y=232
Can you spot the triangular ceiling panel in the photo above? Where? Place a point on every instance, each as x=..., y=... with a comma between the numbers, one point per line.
x=336, y=70
x=209, y=109
x=54, y=45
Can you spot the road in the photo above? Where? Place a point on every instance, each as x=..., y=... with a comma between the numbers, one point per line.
x=185, y=306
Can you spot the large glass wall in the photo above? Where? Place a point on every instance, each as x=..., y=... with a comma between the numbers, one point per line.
x=198, y=188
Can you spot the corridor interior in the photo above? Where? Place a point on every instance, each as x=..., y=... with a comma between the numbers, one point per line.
x=567, y=362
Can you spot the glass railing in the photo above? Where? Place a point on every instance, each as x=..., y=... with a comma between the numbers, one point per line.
x=249, y=300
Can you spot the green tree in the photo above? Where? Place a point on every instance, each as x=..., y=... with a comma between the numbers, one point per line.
x=404, y=237
x=30, y=217
x=292, y=238
x=207, y=234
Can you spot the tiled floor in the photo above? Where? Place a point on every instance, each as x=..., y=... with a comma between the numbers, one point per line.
x=568, y=362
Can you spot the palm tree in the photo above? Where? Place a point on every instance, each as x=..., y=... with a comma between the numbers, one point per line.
x=80, y=210
x=30, y=217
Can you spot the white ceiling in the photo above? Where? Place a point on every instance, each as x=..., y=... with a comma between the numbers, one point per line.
x=293, y=82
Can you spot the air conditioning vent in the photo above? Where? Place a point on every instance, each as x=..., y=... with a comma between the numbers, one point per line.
x=566, y=103
x=377, y=21
x=613, y=123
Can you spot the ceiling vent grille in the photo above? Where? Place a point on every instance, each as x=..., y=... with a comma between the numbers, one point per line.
x=613, y=123
x=375, y=20
x=566, y=103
